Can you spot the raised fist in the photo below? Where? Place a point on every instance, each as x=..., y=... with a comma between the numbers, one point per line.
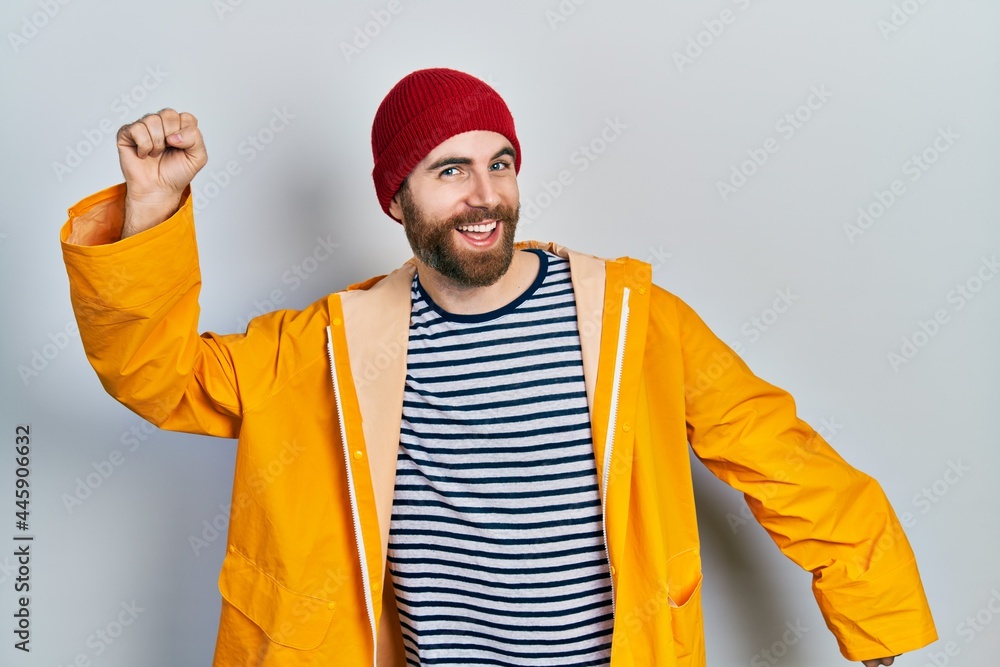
x=159, y=154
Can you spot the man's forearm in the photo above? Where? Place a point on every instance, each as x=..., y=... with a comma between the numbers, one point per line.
x=140, y=216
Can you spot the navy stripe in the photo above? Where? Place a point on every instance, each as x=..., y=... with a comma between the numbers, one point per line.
x=542, y=641
x=492, y=329
x=487, y=465
x=518, y=569
x=504, y=404
x=488, y=359
x=507, y=419
x=510, y=541
x=426, y=502
x=496, y=494
x=520, y=585
x=479, y=449
x=524, y=478
x=451, y=618
x=502, y=371
x=528, y=384
x=531, y=338
x=495, y=526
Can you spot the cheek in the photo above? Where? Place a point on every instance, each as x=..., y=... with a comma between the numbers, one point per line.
x=514, y=190
x=508, y=188
x=436, y=236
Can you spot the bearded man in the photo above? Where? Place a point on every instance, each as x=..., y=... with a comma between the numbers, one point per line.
x=483, y=454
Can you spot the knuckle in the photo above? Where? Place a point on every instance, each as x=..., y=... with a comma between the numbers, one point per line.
x=169, y=115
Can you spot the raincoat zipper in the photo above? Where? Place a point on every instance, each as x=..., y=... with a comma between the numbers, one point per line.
x=609, y=442
x=358, y=537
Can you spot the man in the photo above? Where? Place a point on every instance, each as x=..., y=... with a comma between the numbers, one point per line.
x=480, y=458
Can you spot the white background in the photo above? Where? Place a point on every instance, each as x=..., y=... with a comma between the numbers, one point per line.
x=652, y=193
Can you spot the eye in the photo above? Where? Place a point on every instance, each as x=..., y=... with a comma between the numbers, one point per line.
x=503, y=164
x=444, y=172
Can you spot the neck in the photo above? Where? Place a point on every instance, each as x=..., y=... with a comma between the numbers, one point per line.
x=464, y=300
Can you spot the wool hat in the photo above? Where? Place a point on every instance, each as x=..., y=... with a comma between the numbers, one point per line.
x=424, y=109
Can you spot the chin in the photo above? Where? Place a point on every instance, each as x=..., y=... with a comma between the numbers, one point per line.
x=472, y=268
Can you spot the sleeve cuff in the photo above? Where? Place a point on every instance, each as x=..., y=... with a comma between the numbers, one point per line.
x=121, y=273
x=879, y=618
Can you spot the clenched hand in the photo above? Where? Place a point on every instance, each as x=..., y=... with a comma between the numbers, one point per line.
x=159, y=154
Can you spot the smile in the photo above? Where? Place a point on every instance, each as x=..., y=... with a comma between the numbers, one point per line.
x=486, y=227
x=480, y=235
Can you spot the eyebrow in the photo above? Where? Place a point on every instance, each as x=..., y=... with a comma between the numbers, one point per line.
x=450, y=160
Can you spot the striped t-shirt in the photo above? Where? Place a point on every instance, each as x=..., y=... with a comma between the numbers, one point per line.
x=496, y=547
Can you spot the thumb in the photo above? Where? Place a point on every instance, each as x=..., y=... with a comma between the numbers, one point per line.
x=185, y=138
x=188, y=139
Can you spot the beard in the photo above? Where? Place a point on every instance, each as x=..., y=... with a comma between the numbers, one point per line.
x=433, y=242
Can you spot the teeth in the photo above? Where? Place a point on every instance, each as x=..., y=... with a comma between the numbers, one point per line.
x=489, y=227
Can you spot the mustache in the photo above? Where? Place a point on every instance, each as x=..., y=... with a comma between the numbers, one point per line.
x=501, y=213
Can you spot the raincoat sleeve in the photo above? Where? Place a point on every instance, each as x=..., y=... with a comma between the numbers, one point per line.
x=136, y=305
x=826, y=516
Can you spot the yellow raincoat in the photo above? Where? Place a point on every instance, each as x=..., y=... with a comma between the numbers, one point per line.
x=315, y=398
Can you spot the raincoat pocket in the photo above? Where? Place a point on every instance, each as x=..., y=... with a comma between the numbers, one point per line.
x=287, y=618
x=685, y=577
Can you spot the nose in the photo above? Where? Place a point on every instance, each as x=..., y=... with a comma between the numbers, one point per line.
x=483, y=192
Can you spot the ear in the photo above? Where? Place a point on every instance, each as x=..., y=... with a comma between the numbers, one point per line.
x=395, y=210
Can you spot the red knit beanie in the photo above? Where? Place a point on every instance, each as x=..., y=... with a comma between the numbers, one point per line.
x=423, y=110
